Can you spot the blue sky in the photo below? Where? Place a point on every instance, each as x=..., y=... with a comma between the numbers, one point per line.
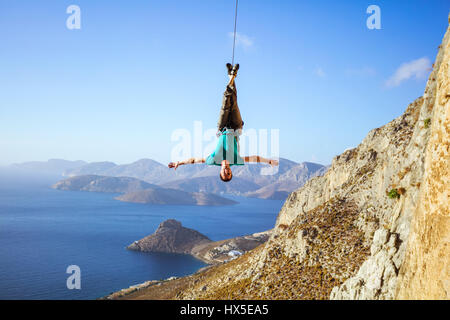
x=137, y=70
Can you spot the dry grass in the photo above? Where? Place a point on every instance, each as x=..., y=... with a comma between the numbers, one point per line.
x=335, y=251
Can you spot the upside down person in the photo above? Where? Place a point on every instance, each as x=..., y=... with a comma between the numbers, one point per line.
x=229, y=128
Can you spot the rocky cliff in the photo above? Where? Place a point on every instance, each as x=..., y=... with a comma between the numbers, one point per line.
x=375, y=226
x=425, y=273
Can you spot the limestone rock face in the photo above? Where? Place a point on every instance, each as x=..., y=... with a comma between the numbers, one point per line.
x=410, y=259
x=390, y=157
x=425, y=273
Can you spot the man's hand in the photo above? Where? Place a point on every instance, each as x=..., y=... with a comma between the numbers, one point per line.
x=174, y=165
x=273, y=163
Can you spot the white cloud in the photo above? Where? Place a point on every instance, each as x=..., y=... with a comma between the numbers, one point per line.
x=320, y=73
x=242, y=40
x=417, y=69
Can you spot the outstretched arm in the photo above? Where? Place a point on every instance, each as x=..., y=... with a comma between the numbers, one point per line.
x=187, y=161
x=260, y=159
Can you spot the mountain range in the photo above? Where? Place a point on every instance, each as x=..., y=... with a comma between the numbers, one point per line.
x=251, y=180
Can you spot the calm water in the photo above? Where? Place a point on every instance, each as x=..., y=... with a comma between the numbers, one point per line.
x=42, y=231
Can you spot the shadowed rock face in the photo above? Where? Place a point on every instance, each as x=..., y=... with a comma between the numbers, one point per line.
x=170, y=237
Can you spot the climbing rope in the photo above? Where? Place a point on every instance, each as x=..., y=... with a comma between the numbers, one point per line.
x=234, y=37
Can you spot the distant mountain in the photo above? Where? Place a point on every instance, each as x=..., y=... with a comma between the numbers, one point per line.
x=154, y=172
x=248, y=180
x=96, y=168
x=52, y=166
x=213, y=184
x=275, y=191
x=96, y=183
x=175, y=197
x=145, y=169
x=302, y=172
x=263, y=174
x=288, y=181
x=139, y=191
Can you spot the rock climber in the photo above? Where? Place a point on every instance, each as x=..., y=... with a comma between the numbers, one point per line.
x=229, y=128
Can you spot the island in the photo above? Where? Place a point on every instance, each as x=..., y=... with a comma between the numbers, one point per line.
x=172, y=237
x=138, y=191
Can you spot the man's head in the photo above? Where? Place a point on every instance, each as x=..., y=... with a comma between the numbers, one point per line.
x=225, y=171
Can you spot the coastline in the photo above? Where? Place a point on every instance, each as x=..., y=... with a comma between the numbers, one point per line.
x=213, y=254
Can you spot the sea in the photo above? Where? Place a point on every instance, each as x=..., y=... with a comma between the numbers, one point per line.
x=45, y=231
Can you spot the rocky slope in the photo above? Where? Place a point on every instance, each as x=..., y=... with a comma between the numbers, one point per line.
x=375, y=226
x=225, y=250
